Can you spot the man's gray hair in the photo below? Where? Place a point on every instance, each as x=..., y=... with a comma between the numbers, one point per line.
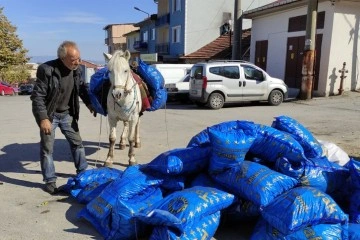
x=62, y=50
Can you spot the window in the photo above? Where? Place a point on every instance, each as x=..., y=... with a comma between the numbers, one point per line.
x=153, y=34
x=227, y=71
x=299, y=23
x=145, y=36
x=253, y=73
x=176, y=34
x=196, y=72
x=176, y=5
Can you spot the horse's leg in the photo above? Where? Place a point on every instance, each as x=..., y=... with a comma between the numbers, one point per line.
x=131, y=153
x=112, y=139
x=137, y=135
x=124, y=136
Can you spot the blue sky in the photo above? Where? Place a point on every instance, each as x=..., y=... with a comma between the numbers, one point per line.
x=44, y=24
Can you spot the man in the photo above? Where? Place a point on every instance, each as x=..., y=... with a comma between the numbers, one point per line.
x=55, y=103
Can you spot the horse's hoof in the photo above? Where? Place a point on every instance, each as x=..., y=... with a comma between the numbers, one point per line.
x=122, y=147
x=137, y=145
x=131, y=163
x=108, y=164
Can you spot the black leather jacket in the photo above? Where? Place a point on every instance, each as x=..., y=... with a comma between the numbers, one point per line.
x=45, y=95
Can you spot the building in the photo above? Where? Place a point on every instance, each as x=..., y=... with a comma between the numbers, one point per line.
x=131, y=39
x=278, y=39
x=146, y=45
x=115, y=39
x=176, y=31
x=88, y=69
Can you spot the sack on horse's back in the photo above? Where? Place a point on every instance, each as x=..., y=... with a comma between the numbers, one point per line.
x=155, y=81
x=98, y=90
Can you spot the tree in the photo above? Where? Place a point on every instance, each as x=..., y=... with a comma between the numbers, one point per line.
x=12, y=53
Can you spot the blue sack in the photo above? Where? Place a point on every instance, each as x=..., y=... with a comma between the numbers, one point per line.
x=123, y=223
x=254, y=182
x=312, y=147
x=98, y=90
x=270, y=143
x=184, y=208
x=263, y=230
x=202, y=138
x=204, y=229
x=132, y=183
x=155, y=82
x=87, y=181
x=179, y=161
x=315, y=172
x=241, y=211
x=228, y=148
x=354, y=212
x=150, y=75
x=354, y=231
x=354, y=167
x=159, y=99
x=301, y=207
x=204, y=180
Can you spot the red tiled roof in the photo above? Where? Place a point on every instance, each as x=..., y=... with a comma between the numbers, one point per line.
x=220, y=48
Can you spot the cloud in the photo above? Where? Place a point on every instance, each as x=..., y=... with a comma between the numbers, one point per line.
x=73, y=17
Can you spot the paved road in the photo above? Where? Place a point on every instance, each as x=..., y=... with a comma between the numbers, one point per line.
x=27, y=212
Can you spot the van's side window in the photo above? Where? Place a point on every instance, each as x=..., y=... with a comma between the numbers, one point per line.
x=215, y=70
x=227, y=71
x=252, y=73
x=231, y=72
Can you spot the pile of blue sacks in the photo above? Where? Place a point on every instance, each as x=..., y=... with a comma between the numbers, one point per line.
x=100, y=84
x=277, y=176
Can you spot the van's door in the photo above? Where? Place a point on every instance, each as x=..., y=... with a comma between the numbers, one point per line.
x=232, y=83
x=254, y=83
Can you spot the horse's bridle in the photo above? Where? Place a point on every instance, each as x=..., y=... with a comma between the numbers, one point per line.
x=125, y=92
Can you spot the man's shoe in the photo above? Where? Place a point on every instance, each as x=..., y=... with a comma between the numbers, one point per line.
x=51, y=188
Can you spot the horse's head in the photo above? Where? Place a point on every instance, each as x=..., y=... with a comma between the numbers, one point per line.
x=118, y=65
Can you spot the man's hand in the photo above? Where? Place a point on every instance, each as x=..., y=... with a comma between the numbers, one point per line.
x=45, y=126
x=91, y=109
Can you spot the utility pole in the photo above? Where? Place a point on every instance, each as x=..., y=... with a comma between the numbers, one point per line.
x=236, y=46
x=309, y=52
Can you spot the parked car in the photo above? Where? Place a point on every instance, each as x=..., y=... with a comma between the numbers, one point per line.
x=179, y=91
x=172, y=73
x=26, y=89
x=218, y=82
x=7, y=89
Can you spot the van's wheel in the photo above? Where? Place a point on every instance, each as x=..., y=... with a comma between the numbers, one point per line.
x=276, y=97
x=2, y=93
x=216, y=101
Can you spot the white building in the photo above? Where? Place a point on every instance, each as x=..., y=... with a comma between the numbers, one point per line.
x=278, y=38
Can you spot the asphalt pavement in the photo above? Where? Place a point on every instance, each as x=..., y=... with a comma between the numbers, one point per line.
x=27, y=212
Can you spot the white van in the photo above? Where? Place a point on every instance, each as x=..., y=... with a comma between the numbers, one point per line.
x=173, y=73
x=218, y=82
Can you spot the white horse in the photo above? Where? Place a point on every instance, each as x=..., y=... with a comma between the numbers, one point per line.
x=123, y=104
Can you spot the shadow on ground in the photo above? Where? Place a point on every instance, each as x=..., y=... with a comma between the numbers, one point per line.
x=24, y=158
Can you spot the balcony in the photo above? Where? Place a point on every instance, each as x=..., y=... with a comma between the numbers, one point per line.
x=163, y=20
x=140, y=45
x=107, y=41
x=162, y=48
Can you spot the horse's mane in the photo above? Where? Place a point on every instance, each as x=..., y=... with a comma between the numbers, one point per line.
x=118, y=58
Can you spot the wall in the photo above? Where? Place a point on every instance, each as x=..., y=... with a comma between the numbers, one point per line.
x=274, y=28
x=345, y=46
x=203, y=21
